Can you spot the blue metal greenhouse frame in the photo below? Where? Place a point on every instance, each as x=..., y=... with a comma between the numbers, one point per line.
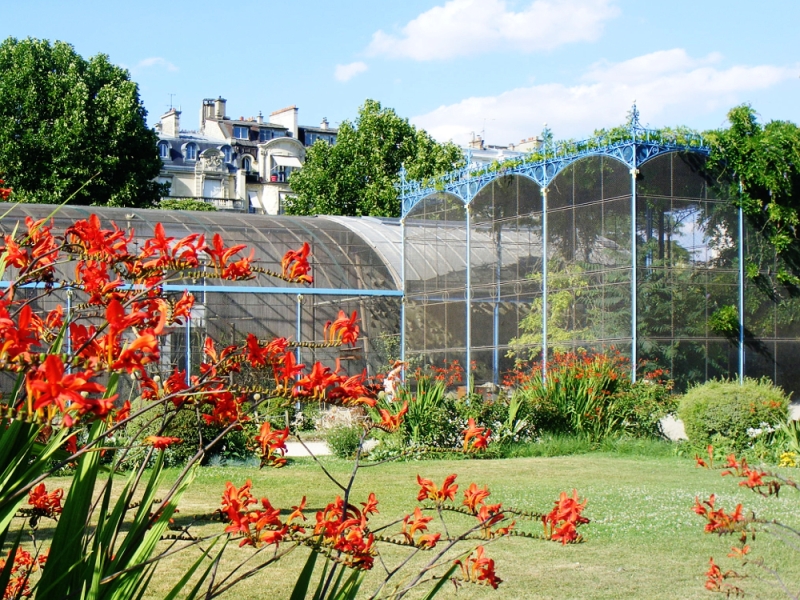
x=633, y=147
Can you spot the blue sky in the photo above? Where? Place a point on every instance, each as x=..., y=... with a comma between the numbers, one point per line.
x=502, y=67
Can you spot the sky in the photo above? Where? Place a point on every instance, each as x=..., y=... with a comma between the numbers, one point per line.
x=458, y=68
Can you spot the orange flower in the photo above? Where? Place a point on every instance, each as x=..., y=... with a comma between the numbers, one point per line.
x=48, y=504
x=479, y=569
x=343, y=330
x=474, y=497
x=475, y=433
x=273, y=445
x=161, y=442
x=295, y=264
x=50, y=385
x=562, y=522
x=429, y=491
x=415, y=524
x=316, y=382
x=390, y=422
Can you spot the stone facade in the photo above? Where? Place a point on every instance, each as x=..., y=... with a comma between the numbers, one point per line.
x=236, y=164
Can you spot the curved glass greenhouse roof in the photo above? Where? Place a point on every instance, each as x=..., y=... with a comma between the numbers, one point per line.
x=347, y=253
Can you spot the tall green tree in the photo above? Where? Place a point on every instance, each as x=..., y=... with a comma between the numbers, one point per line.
x=73, y=127
x=357, y=176
x=764, y=162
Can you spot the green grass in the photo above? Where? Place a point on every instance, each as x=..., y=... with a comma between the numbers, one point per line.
x=644, y=541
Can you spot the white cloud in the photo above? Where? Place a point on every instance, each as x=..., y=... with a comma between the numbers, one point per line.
x=665, y=85
x=347, y=72
x=154, y=61
x=469, y=27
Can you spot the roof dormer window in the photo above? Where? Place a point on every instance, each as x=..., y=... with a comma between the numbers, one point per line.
x=190, y=151
x=163, y=150
x=227, y=153
x=264, y=135
x=241, y=133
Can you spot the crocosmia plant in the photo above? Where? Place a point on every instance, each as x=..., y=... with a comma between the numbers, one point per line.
x=77, y=375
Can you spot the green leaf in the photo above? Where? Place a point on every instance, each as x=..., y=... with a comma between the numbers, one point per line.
x=5, y=574
x=304, y=579
x=439, y=584
x=173, y=593
x=66, y=549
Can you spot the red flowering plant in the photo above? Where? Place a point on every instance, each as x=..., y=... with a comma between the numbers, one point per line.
x=743, y=525
x=591, y=394
x=62, y=370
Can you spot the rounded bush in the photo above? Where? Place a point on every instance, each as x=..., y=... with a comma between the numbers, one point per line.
x=344, y=440
x=726, y=413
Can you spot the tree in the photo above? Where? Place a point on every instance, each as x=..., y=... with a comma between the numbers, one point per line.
x=357, y=176
x=763, y=161
x=72, y=128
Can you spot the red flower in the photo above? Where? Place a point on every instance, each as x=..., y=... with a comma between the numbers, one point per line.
x=48, y=504
x=390, y=422
x=254, y=353
x=417, y=523
x=105, y=245
x=479, y=569
x=316, y=382
x=220, y=255
x=474, y=497
x=562, y=522
x=17, y=339
x=429, y=491
x=295, y=264
x=473, y=431
x=161, y=442
x=343, y=330
x=49, y=385
x=287, y=368
x=5, y=193
x=273, y=445
x=352, y=391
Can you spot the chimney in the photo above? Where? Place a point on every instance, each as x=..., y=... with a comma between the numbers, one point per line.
x=260, y=117
x=324, y=124
x=476, y=143
x=287, y=117
x=170, y=123
x=219, y=108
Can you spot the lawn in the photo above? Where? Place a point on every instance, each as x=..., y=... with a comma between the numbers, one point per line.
x=644, y=541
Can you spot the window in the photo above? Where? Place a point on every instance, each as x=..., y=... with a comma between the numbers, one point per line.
x=264, y=135
x=241, y=133
x=310, y=138
x=190, y=151
x=246, y=164
x=163, y=150
x=227, y=153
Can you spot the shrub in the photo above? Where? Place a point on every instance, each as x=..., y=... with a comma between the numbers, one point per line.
x=731, y=415
x=344, y=441
x=644, y=403
x=591, y=394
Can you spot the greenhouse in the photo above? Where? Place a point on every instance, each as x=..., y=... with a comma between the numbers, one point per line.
x=356, y=267
x=619, y=243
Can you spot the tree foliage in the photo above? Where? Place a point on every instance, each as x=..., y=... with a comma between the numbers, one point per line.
x=73, y=128
x=357, y=176
x=185, y=204
x=764, y=160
